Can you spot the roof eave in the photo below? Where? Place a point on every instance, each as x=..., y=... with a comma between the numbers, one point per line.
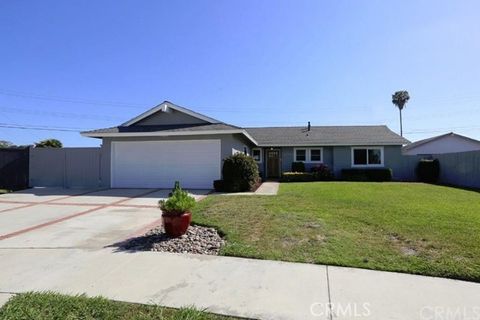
x=164, y=134
x=265, y=145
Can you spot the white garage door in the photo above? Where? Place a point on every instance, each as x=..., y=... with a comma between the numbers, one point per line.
x=158, y=164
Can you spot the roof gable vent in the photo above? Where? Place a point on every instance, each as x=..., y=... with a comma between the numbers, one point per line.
x=165, y=108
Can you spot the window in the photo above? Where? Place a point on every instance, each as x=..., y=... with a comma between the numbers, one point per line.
x=257, y=154
x=315, y=155
x=300, y=155
x=308, y=155
x=364, y=156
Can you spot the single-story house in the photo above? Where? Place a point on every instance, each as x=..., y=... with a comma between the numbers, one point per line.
x=169, y=143
x=445, y=143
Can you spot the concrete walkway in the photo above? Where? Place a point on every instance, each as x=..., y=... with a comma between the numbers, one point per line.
x=267, y=188
x=234, y=286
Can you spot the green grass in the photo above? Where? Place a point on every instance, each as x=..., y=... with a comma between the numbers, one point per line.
x=2, y=191
x=406, y=227
x=53, y=306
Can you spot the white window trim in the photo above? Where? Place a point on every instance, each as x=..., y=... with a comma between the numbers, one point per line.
x=261, y=154
x=308, y=154
x=295, y=154
x=382, y=164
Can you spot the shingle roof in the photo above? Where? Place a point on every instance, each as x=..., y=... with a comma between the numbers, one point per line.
x=264, y=136
x=325, y=135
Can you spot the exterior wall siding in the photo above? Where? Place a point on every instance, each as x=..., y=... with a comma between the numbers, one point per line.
x=230, y=143
x=90, y=167
x=174, y=117
x=392, y=156
x=342, y=159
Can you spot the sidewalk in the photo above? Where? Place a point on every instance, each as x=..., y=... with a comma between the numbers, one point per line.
x=234, y=286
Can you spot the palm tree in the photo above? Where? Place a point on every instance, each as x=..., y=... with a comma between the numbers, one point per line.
x=399, y=99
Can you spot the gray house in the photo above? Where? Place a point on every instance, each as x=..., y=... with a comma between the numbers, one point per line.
x=169, y=143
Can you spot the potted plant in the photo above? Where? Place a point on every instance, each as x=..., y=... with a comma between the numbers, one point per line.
x=176, y=212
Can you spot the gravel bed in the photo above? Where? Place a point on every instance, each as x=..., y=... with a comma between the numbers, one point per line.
x=198, y=239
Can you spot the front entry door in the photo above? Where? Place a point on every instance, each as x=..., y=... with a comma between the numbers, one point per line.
x=273, y=163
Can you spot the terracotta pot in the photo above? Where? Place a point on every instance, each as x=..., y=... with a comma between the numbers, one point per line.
x=176, y=224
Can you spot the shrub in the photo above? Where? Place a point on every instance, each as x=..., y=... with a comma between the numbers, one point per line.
x=219, y=185
x=298, y=167
x=428, y=170
x=179, y=203
x=49, y=143
x=322, y=172
x=240, y=173
x=297, y=177
x=377, y=175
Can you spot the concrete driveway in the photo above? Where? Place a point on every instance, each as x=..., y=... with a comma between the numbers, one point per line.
x=69, y=218
x=55, y=239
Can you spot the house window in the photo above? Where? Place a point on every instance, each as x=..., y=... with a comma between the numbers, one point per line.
x=309, y=155
x=300, y=155
x=257, y=154
x=367, y=156
x=315, y=155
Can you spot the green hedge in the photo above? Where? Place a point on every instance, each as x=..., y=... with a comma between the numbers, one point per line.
x=298, y=166
x=377, y=175
x=319, y=172
x=428, y=170
x=297, y=177
x=240, y=173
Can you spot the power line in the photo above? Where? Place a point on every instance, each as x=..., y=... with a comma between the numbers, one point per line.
x=40, y=127
x=136, y=105
x=41, y=113
x=69, y=100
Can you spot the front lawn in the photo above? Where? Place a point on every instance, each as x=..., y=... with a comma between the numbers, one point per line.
x=53, y=306
x=406, y=227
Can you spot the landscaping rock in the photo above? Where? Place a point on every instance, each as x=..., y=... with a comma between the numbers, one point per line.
x=198, y=240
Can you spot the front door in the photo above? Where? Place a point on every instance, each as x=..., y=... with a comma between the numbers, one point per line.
x=273, y=163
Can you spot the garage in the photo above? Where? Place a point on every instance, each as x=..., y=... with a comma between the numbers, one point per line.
x=158, y=164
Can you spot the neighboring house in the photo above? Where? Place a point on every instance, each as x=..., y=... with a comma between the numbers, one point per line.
x=169, y=143
x=445, y=143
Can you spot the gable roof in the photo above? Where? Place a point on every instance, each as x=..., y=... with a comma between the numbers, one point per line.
x=164, y=106
x=425, y=141
x=326, y=136
x=264, y=136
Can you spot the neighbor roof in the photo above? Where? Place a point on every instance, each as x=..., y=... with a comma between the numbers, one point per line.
x=325, y=136
x=424, y=141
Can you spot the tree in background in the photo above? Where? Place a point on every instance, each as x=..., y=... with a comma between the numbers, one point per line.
x=400, y=99
x=5, y=144
x=49, y=143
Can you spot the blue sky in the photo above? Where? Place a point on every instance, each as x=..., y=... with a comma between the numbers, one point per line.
x=79, y=65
